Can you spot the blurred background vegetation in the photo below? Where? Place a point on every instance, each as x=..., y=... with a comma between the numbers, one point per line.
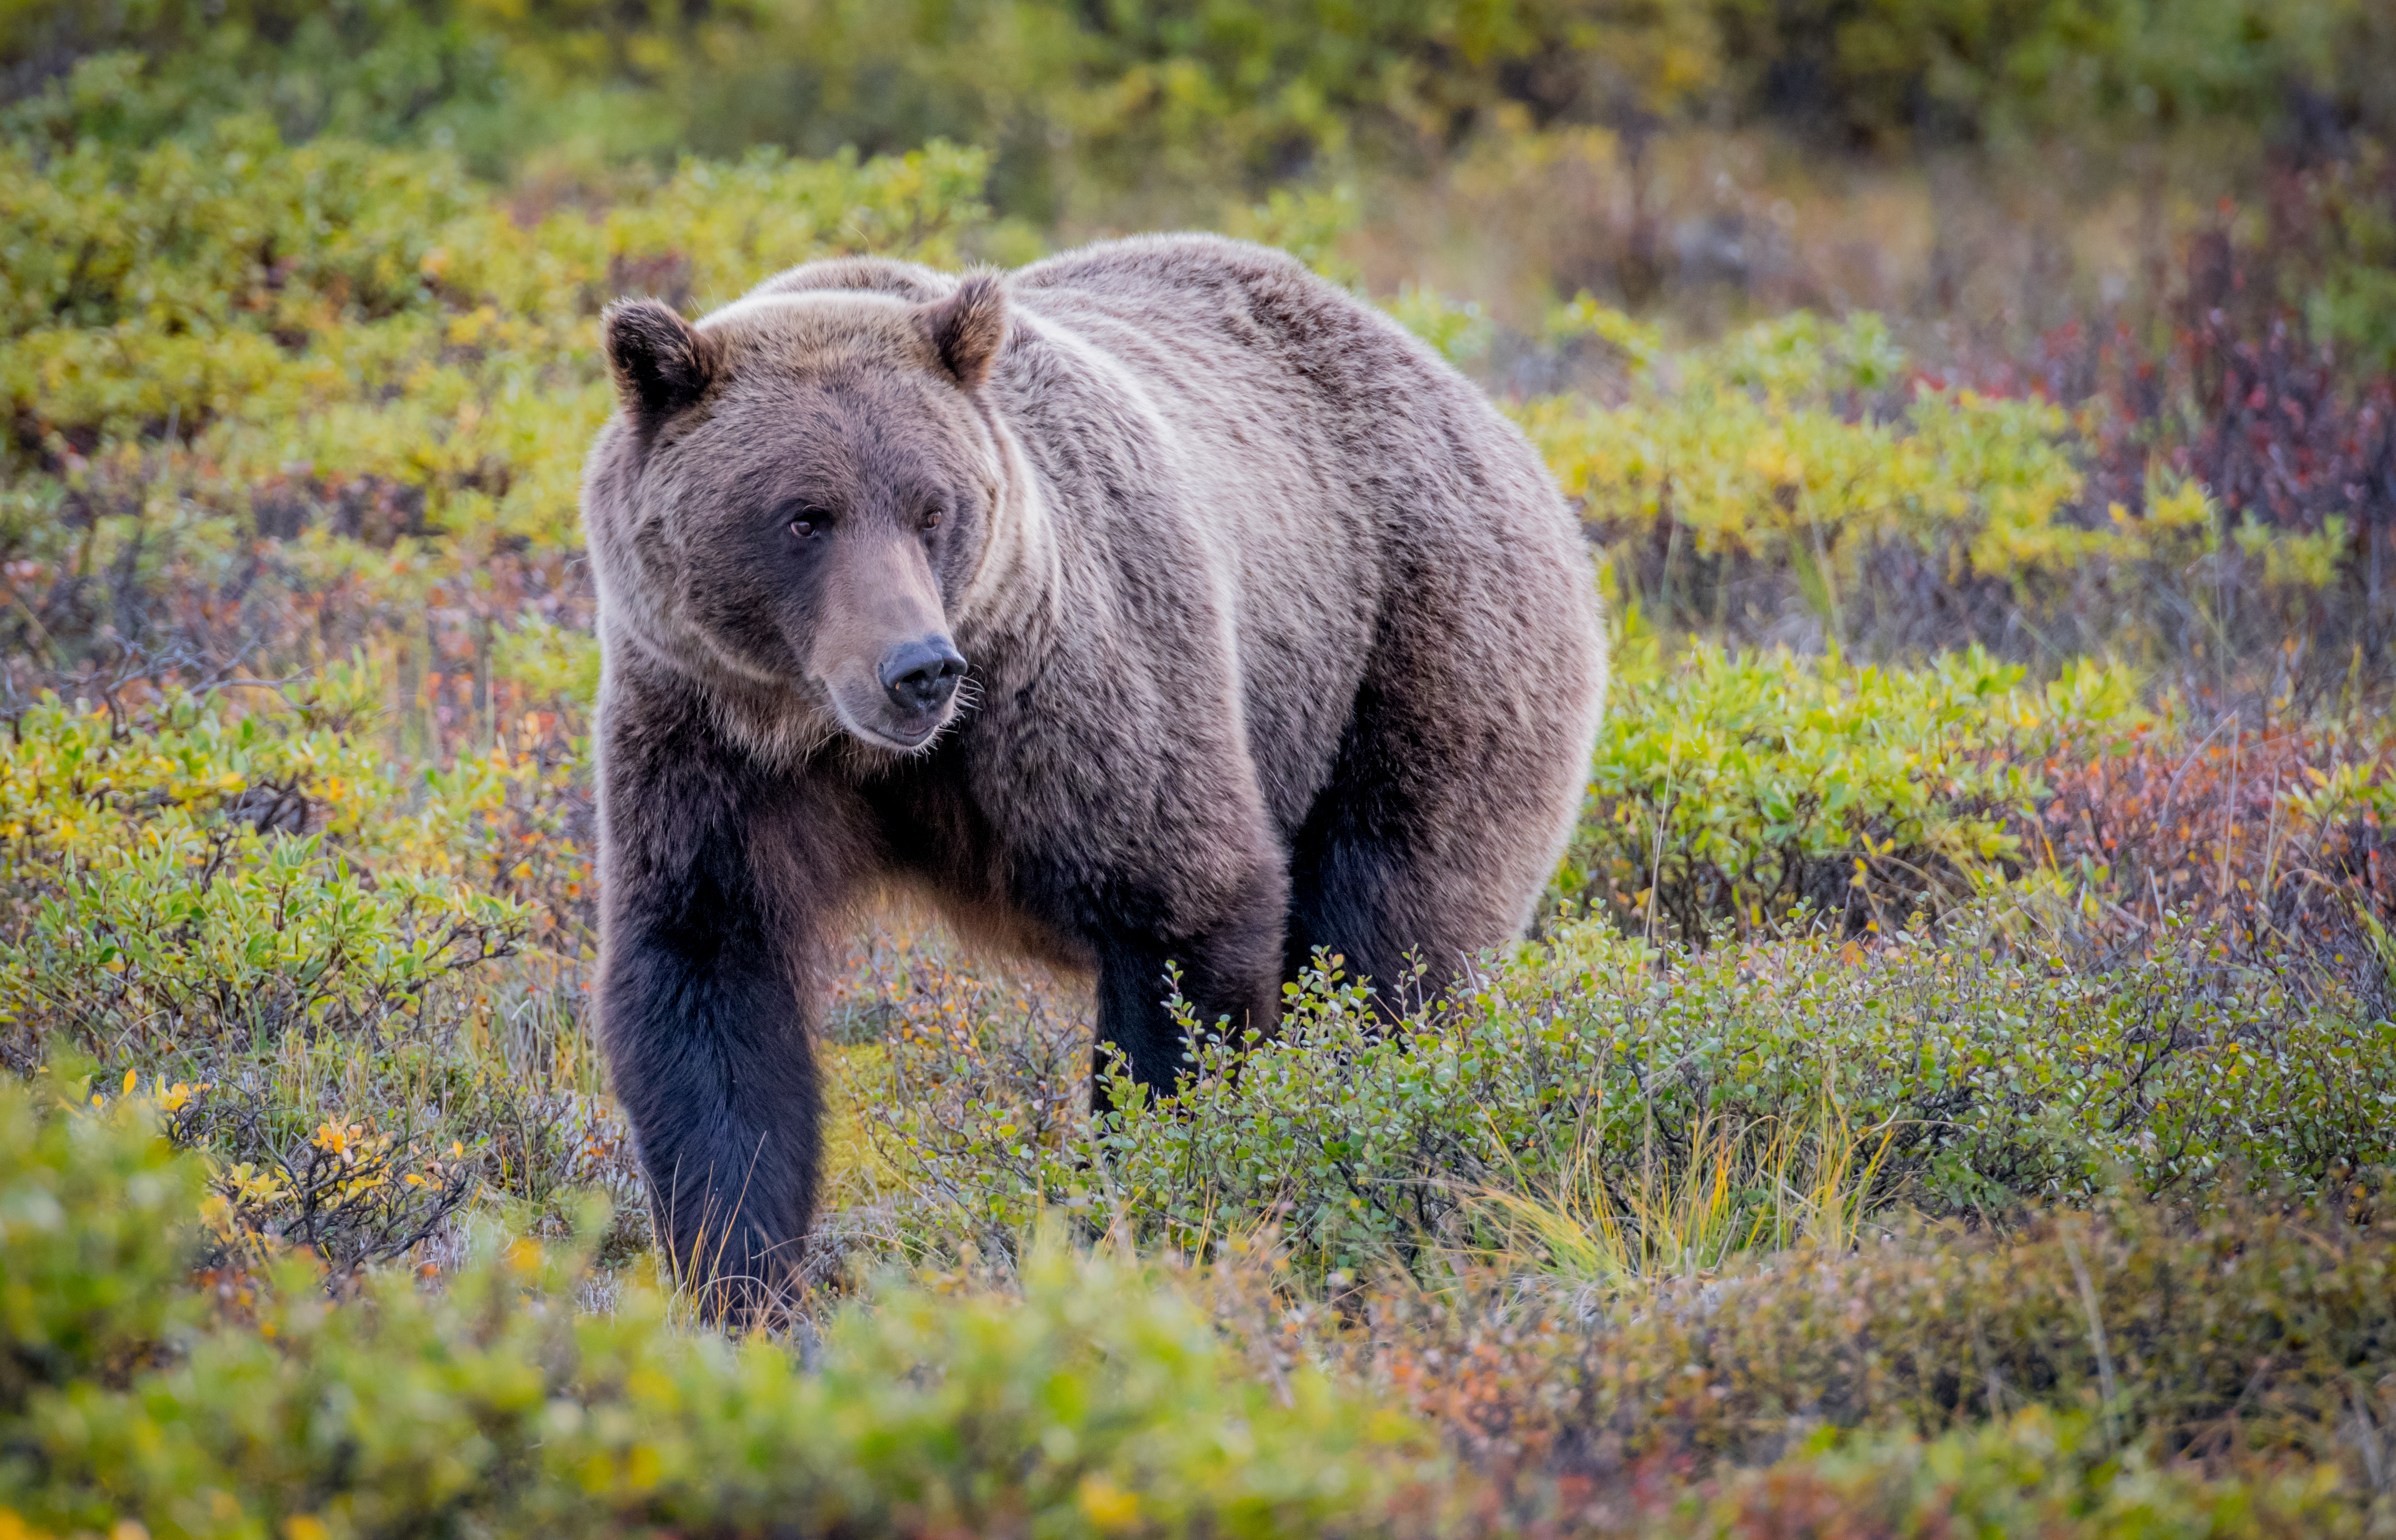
x=1855, y=153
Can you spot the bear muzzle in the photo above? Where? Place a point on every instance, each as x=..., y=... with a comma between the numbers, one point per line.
x=911, y=695
x=921, y=677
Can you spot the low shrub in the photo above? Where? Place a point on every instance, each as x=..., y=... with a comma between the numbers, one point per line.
x=1797, y=448
x=1731, y=791
x=95, y=1219
x=1808, y=484
x=2032, y=1473
x=1736, y=795
x=377, y=319
x=1096, y=1402
x=2277, y=836
x=1094, y=106
x=319, y=964
x=1979, y=1072
x=2249, y=1340
x=2224, y=1375
x=341, y=961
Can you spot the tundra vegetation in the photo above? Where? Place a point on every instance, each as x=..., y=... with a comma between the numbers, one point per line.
x=1952, y=1085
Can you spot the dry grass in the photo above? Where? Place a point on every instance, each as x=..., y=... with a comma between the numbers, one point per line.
x=1813, y=1179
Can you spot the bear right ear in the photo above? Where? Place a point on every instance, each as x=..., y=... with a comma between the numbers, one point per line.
x=968, y=327
x=661, y=362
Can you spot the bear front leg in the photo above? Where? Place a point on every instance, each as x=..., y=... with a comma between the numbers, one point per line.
x=1229, y=974
x=704, y=994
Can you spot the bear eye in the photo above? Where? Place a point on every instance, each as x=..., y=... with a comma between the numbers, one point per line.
x=806, y=521
x=931, y=518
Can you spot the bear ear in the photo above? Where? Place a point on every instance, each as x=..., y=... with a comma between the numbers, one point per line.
x=661, y=362
x=968, y=327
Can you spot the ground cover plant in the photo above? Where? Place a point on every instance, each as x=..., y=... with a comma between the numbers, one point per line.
x=1093, y=1396
x=1949, y=1087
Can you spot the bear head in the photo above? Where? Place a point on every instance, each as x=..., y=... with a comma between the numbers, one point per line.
x=796, y=496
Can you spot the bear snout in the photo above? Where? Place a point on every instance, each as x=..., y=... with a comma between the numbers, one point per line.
x=920, y=676
x=901, y=701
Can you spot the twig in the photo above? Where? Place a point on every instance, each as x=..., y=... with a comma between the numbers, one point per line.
x=2097, y=1340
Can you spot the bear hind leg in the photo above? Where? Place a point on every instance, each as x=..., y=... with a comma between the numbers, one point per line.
x=1405, y=873
x=1228, y=972
x=1354, y=904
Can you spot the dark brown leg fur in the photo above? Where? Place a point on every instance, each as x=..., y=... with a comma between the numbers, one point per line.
x=1229, y=974
x=706, y=987
x=1399, y=874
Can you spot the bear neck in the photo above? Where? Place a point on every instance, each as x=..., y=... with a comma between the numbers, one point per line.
x=1007, y=617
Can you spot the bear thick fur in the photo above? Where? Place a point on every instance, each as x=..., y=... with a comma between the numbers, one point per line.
x=1159, y=603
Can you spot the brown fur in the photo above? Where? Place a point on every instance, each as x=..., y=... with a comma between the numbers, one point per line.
x=1280, y=638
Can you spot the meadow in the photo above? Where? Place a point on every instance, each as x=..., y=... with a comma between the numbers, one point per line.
x=1951, y=1088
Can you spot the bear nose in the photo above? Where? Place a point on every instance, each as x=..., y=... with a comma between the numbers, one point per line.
x=922, y=675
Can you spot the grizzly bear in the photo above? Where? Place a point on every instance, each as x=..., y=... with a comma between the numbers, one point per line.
x=1159, y=605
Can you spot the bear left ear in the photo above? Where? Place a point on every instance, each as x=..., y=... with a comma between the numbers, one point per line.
x=968, y=327
x=661, y=362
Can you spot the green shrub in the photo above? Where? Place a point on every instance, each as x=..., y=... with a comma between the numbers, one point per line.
x=366, y=314
x=1099, y=1402
x=2061, y=1377
x=1807, y=463
x=1730, y=789
x=95, y=1209
x=1980, y=1073
x=228, y=337
x=253, y=915
x=200, y=882
x=2160, y=1349
x=2032, y=1473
